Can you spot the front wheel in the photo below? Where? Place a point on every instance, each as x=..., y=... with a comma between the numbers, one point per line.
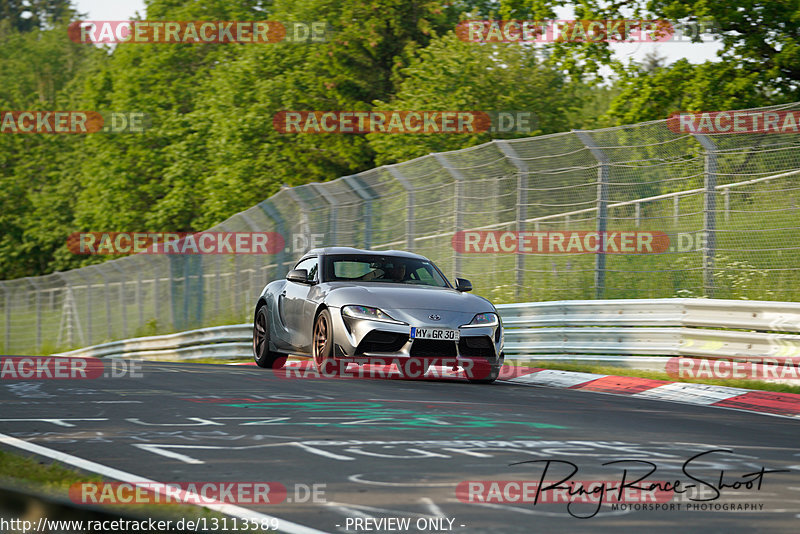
x=261, y=353
x=322, y=345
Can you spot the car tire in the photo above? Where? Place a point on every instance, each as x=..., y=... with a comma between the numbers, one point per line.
x=261, y=354
x=494, y=372
x=322, y=345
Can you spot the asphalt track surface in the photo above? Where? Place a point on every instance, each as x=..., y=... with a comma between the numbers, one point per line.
x=391, y=448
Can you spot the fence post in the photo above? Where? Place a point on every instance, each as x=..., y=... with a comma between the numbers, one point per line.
x=603, y=171
x=333, y=207
x=7, y=308
x=88, y=304
x=305, y=226
x=156, y=301
x=366, y=194
x=139, y=259
x=522, y=206
x=38, y=304
x=409, y=204
x=280, y=226
x=122, y=307
x=458, y=223
x=709, y=213
x=676, y=209
x=254, y=273
x=106, y=298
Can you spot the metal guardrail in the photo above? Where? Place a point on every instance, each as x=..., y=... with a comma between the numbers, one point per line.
x=708, y=328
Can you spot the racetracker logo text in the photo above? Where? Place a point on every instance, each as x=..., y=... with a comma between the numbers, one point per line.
x=253, y=493
x=560, y=242
x=161, y=31
x=116, y=243
x=581, y=31
x=735, y=122
x=382, y=368
x=573, y=491
x=58, y=368
x=766, y=369
x=403, y=122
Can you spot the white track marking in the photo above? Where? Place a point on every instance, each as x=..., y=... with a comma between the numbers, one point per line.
x=58, y=422
x=136, y=480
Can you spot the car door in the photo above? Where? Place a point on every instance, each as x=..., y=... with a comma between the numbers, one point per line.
x=294, y=306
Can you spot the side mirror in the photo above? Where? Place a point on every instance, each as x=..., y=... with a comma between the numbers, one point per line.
x=462, y=284
x=298, y=275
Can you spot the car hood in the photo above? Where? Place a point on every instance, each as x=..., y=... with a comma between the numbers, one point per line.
x=405, y=297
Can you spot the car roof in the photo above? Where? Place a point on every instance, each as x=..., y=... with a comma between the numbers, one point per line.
x=350, y=250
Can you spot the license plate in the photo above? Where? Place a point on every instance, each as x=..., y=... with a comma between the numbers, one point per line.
x=444, y=334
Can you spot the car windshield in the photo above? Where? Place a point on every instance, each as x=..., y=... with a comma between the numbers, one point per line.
x=382, y=269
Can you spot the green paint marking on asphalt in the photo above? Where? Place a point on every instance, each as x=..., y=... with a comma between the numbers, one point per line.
x=374, y=414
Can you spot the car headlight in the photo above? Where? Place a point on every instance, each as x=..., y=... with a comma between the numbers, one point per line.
x=369, y=313
x=483, y=319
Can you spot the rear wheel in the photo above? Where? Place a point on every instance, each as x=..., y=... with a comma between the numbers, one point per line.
x=261, y=353
x=322, y=345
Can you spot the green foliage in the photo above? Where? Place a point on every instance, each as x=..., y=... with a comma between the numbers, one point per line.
x=456, y=76
x=212, y=150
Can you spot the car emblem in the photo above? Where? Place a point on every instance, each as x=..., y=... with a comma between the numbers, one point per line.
x=434, y=317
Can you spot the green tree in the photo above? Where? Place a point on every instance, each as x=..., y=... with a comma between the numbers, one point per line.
x=453, y=75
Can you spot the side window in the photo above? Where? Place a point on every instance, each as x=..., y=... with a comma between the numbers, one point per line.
x=309, y=265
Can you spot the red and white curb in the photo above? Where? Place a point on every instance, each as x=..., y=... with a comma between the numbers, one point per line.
x=763, y=402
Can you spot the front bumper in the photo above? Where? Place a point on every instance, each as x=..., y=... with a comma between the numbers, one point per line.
x=379, y=341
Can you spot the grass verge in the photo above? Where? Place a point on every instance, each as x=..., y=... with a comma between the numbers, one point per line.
x=40, y=477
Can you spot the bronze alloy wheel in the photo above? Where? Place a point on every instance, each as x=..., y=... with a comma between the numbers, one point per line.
x=322, y=344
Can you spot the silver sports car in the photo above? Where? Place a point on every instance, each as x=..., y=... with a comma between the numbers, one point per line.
x=344, y=305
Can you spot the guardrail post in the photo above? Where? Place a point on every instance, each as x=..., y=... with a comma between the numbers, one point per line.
x=709, y=213
x=458, y=223
x=333, y=206
x=522, y=205
x=366, y=194
x=280, y=226
x=409, y=204
x=603, y=171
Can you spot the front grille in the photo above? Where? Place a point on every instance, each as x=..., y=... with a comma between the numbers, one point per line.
x=377, y=341
x=435, y=348
x=476, y=347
